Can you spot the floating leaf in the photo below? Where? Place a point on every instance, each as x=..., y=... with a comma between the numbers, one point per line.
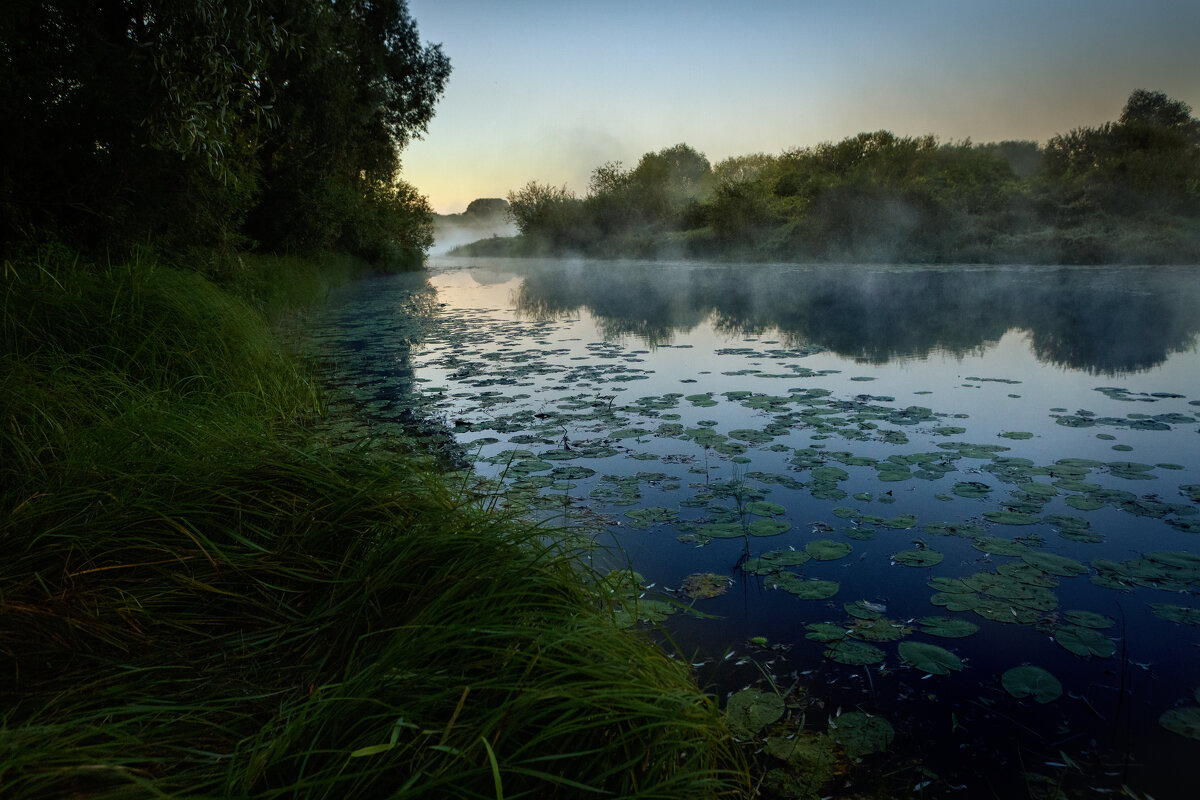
x=775, y=561
x=1031, y=681
x=751, y=710
x=1085, y=642
x=768, y=527
x=1184, y=721
x=880, y=630
x=930, y=658
x=825, y=632
x=1178, y=614
x=855, y=653
x=1088, y=619
x=804, y=589
x=1011, y=517
x=762, y=508
x=703, y=585
x=861, y=734
x=947, y=627
x=861, y=609
x=918, y=558
x=827, y=549
x=999, y=546
x=1054, y=564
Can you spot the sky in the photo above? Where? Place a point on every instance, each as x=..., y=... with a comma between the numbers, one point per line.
x=547, y=90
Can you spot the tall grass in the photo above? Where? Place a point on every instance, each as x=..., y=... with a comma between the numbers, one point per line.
x=196, y=600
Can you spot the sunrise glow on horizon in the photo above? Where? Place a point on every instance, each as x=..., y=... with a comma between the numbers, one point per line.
x=547, y=91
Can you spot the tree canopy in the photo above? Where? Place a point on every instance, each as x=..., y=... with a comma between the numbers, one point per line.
x=1126, y=190
x=214, y=123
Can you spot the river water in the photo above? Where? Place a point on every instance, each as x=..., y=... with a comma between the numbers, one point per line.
x=892, y=490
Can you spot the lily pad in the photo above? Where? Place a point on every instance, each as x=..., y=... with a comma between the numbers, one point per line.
x=643, y=518
x=861, y=734
x=947, y=627
x=775, y=561
x=703, y=585
x=1031, y=681
x=1054, y=564
x=763, y=508
x=855, y=653
x=804, y=589
x=1011, y=517
x=1184, y=721
x=827, y=549
x=768, y=527
x=1182, y=615
x=918, y=558
x=825, y=632
x=1088, y=619
x=1085, y=642
x=930, y=658
x=751, y=710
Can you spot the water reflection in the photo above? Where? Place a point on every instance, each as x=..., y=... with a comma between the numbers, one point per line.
x=1101, y=320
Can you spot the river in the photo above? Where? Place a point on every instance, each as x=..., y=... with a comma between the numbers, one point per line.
x=963, y=499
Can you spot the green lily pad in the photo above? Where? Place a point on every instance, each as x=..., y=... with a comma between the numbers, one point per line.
x=855, y=653
x=1017, y=435
x=752, y=436
x=1054, y=564
x=947, y=627
x=880, y=630
x=645, y=517
x=810, y=589
x=861, y=734
x=762, y=508
x=918, y=558
x=775, y=561
x=703, y=585
x=1182, y=615
x=1084, y=502
x=1088, y=619
x=1085, y=642
x=1031, y=681
x=900, y=523
x=930, y=658
x=751, y=710
x=971, y=489
x=1011, y=517
x=1184, y=721
x=825, y=632
x=999, y=546
x=722, y=530
x=768, y=527
x=828, y=550
x=861, y=609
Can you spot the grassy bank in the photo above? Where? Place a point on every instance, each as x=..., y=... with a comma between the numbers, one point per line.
x=197, y=600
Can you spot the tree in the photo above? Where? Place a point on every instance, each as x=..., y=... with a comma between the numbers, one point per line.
x=357, y=88
x=175, y=119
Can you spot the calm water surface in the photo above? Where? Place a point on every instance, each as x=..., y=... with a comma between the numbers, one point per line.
x=1030, y=431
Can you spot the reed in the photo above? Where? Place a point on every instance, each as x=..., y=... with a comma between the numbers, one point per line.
x=197, y=599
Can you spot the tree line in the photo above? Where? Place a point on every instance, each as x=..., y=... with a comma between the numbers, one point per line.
x=209, y=126
x=1127, y=190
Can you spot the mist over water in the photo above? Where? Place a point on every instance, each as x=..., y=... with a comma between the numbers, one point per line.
x=1104, y=321
x=1007, y=423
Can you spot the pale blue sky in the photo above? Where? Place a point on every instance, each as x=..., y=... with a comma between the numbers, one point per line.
x=549, y=89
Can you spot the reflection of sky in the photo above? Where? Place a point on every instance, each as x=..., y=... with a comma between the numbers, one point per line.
x=548, y=90
x=481, y=338
x=939, y=380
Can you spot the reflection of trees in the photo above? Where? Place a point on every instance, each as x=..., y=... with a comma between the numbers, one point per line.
x=1100, y=320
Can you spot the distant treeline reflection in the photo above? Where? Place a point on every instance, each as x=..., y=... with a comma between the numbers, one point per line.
x=1099, y=320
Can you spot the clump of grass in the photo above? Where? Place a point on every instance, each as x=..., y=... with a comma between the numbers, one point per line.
x=198, y=600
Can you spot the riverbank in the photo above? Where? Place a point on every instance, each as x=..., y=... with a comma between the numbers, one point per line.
x=1155, y=241
x=201, y=600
